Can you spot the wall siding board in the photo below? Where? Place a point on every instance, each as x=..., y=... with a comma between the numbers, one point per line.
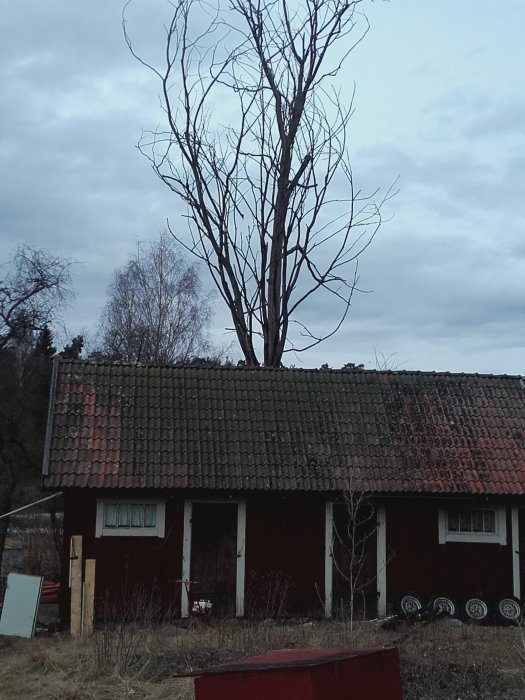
x=284, y=538
x=285, y=542
x=131, y=564
x=285, y=547
x=418, y=563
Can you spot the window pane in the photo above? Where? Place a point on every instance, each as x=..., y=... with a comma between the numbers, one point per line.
x=123, y=515
x=110, y=515
x=464, y=521
x=489, y=517
x=453, y=520
x=150, y=515
x=477, y=521
x=137, y=515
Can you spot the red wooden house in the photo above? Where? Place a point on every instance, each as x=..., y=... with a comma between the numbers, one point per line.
x=234, y=477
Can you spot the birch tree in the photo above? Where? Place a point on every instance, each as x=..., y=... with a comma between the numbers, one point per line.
x=156, y=312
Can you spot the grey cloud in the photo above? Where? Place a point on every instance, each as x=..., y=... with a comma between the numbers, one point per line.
x=433, y=292
x=87, y=33
x=455, y=182
x=503, y=120
x=446, y=273
x=475, y=116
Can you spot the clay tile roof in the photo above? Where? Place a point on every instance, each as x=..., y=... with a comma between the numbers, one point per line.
x=131, y=426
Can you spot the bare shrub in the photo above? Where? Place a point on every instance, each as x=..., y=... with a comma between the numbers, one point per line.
x=351, y=547
x=37, y=536
x=439, y=661
x=266, y=595
x=355, y=528
x=447, y=662
x=127, y=639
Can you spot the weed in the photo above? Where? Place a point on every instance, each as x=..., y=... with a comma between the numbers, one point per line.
x=438, y=662
x=266, y=595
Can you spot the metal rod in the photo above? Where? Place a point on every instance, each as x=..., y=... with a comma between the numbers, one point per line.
x=29, y=505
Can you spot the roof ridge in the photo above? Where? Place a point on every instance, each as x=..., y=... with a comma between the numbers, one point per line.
x=306, y=370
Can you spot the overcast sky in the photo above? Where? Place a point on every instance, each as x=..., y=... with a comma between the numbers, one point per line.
x=440, y=104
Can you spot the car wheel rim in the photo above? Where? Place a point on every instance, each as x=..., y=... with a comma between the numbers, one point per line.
x=509, y=609
x=410, y=604
x=476, y=609
x=443, y=604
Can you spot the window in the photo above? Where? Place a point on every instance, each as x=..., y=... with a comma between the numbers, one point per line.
x=129, y=518
x=486, y=524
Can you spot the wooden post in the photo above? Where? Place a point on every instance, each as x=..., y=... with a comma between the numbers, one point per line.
x=89, y=597
x=76, y=585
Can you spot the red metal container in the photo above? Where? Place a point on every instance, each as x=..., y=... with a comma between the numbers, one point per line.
x=306, y=674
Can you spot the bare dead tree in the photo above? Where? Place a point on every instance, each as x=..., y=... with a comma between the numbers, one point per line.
x=256, y=146
x=156, y=312
x=25, y=374
x=387, y=363
x=34, y=286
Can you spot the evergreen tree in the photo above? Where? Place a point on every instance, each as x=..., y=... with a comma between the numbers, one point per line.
x=44, y=344
x=73, y=350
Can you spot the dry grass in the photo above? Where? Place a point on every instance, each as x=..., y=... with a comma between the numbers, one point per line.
x=439, y=661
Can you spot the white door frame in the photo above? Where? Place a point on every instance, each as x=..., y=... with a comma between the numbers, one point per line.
x=515, y=543
x=186, y=560
x=241, y=553
x=241, y=558
x=381, y=561
x=328, y=557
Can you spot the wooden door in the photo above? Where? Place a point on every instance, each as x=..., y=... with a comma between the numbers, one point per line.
x=214, y=554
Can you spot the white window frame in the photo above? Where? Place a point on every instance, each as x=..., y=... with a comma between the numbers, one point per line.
x=158, y=531
x=498, y=537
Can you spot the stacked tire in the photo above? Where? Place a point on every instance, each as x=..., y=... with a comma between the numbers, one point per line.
x=508, y=610
x=444, y=605
x=476, y=610
x=504, y=611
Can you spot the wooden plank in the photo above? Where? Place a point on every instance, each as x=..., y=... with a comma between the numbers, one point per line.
x=76, y=586
x=89, y=597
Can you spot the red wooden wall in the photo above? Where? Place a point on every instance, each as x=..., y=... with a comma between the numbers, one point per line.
x=419, y=564
x=285, y=557
x=284, y=554
x=285, y=543
x=125, y=565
